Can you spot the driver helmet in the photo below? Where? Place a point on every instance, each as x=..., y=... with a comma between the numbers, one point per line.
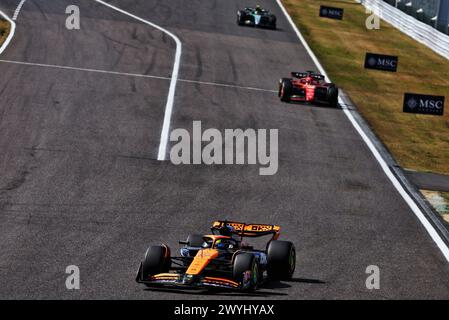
x=226, y=230
x=220, y=244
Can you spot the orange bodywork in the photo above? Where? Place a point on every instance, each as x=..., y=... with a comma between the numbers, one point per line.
x=201, y=260
x=248, y=230
x=204, y=256
x=165, y=276
x=220, y=281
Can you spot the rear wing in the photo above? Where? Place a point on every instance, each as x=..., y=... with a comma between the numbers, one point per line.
x=312, y=74
x=249, y=230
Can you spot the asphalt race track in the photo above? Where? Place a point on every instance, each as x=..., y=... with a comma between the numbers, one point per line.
x=80, y=183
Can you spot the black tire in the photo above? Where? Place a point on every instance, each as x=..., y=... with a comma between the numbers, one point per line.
x=240, y=17
x=281, y=260
x=273, y=22
x=157, y=260
x=332, y=95
x=195, y=240
x=246, y=262
x=285, y=89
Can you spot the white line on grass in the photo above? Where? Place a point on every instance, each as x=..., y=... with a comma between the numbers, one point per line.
x=174, y=78
x=419, y=214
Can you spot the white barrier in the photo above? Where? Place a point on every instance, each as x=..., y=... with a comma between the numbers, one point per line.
x=421, y=32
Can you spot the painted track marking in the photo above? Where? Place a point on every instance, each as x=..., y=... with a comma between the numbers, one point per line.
x=137, y=75
x=174, y=78
x=17, y=11
x=416, y=210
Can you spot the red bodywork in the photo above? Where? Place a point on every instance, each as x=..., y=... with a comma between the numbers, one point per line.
x=306, y=86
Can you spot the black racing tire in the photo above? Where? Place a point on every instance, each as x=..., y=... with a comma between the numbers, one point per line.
x=195, y=240
x=281, y=262
x=273, y=22
x=332, y=95
x=285, y=89
x=246, y=262
x=157, y=260
x=240, y=17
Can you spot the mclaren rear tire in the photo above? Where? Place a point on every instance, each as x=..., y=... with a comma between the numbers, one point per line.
x=246, y=265
x=281, y=260
x=285, y=89
x=157, y=260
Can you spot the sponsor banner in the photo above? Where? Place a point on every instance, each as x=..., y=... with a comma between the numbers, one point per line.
x=381, y=62
x=331, y=12
x=424, y=104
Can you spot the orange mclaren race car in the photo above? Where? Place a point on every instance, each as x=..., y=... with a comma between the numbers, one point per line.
x=220, y=259
x=308, y=87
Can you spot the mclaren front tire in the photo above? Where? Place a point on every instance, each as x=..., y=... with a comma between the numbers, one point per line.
x=246, y=271
x=157, y=260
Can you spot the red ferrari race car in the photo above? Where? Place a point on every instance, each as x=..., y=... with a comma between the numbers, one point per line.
x=308, y=87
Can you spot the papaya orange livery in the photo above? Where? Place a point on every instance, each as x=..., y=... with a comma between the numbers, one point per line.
x=221, y=259
x=201, y=260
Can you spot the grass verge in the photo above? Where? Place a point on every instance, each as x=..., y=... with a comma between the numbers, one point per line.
x=419, y=142
x=4, y=30
x=440, y=201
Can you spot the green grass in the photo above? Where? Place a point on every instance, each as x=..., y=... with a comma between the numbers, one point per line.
x=4, y=30
x=418, y=142
x=440, y=201
x=445, y=195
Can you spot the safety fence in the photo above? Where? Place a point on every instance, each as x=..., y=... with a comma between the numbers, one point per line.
x=421, y=32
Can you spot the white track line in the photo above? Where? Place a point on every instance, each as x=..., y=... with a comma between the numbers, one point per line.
x=54, y=66
x=226, y=85
x=19, y=7
x=419, y=214
x=11, y=32
x=174, y=78
x=127, y=74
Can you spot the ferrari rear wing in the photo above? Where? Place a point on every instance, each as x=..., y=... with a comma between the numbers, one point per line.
x=312, y=74
x=249, y=230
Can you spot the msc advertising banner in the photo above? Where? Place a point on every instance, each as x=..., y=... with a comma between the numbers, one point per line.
x=331, y=12
x=424, y=104
x=381, y=62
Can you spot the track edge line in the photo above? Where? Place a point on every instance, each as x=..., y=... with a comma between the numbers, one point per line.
x=174, y=78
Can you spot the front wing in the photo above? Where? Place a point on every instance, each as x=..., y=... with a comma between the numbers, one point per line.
x=178, y=280
x=259, y=21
